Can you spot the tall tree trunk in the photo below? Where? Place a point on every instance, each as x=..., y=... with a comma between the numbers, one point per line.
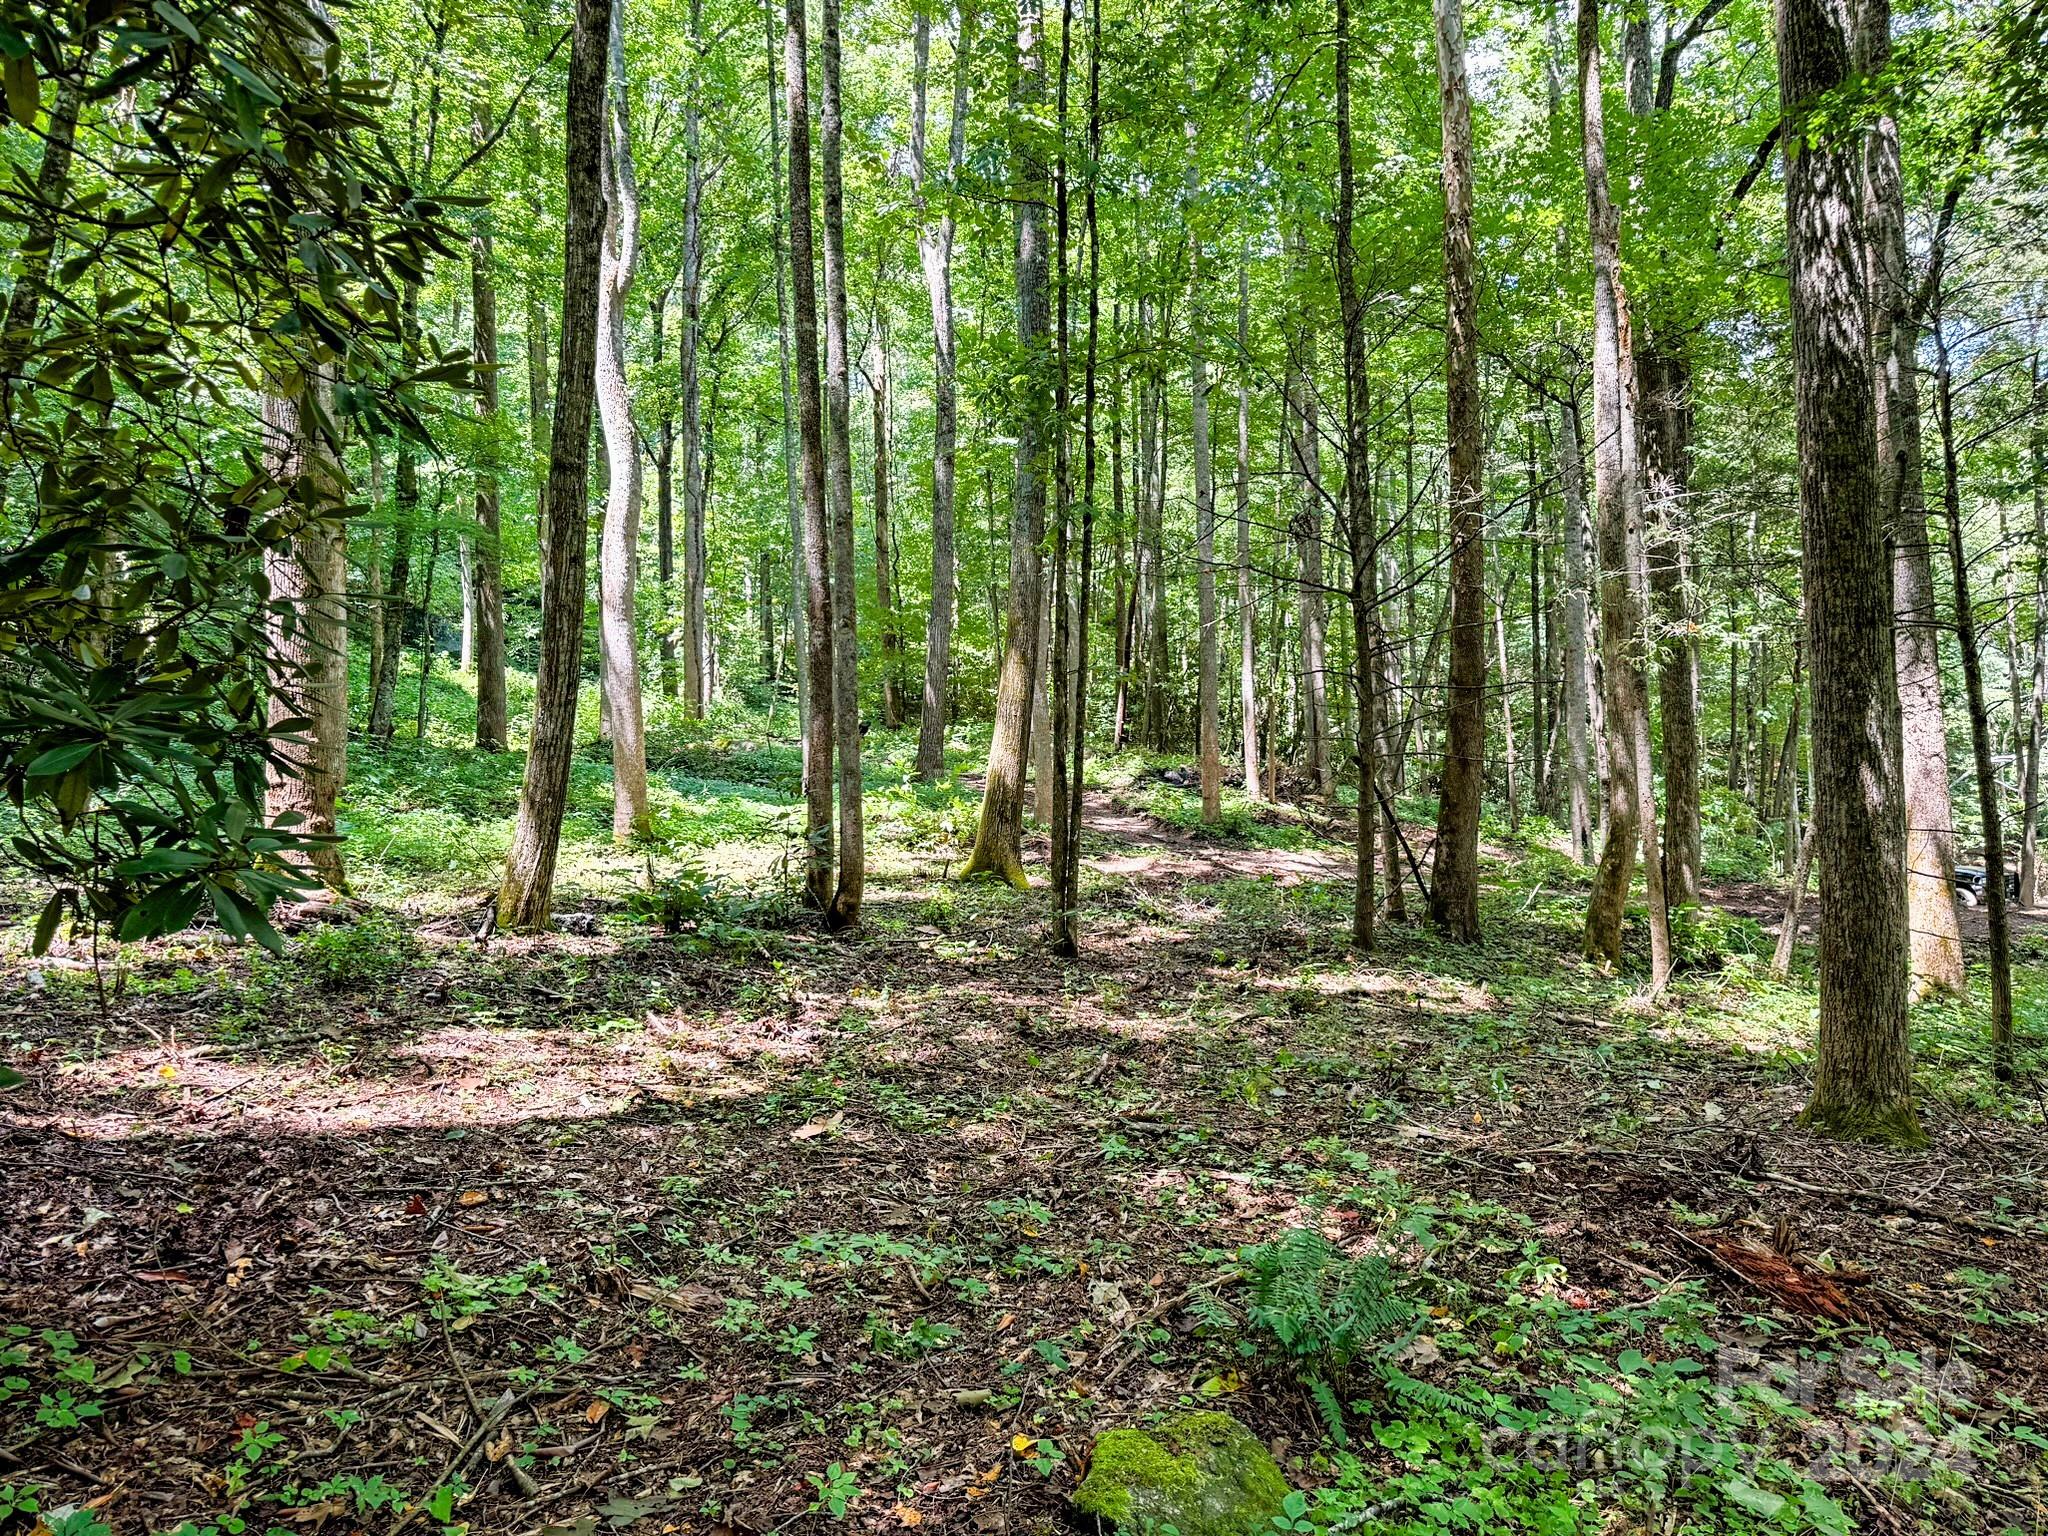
x=1539, y=678
x=1208, y=708
x=1989, y=795
x=1124, y=600
x=465, y=581
x=696, y=689
x=1795, y=898
x=664, y=509
x=1507, y=708
x=1137, y=650
x=1067, y=864
x=1041, y=707
x=487, y=584
x=1062, y=718
x=307, y=624
x=1361, y=527
x=524, y=900
x=1454, y=884
x=538, y=410
x=998, y=838
x=799, y=578
x=405, y=511
x=935, y=253
x=765, y=606
x=373, y=568
x=817, y=542
x=428, y=648
x=2016, y=674
x=700, y=529
x=1787, y=787
x=619, y=544
x=539, y=413
x=1247, y=592
x=690, y=279
x=845, y=909
x=1665, y=373
x=1393, y=740
x=1307, y=452
x=1580, y=695
x=306, y=620
x=2009, y=634
x=1617, y=491
x=1578, y=629
x=1757, y=681
x=1863, y=1077
x=1158, y=662
x=1145, y=553
x=1931, y=922
x=885, y=549
x=2037, y=706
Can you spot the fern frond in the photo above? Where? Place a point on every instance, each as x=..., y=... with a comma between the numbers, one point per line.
x=1331, y=1409
x=1320, y=1305
x=1432, y=1398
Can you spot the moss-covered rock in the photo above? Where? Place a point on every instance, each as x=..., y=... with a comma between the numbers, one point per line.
x=1201, y=1474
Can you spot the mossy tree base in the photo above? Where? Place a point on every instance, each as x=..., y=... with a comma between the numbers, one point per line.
x=1892, y=1125
x=1202, y=1474
x=997, y=863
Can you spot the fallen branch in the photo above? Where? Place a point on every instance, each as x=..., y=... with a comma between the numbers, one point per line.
x=1793, y=1282
x=1897, y=1203
x=506, y=1401
x=1139, y=1325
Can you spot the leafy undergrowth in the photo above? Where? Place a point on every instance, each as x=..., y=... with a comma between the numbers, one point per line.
x=738, y=1228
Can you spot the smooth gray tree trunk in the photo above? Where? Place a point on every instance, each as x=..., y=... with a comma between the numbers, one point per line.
x=935, y=254
x=619, y=541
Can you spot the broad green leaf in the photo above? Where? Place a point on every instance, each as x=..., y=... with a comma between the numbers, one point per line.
x=46, y=924
x=61, y=759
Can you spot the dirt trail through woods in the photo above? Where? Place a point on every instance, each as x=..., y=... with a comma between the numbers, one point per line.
x=1149, y=848
x=1159, y=849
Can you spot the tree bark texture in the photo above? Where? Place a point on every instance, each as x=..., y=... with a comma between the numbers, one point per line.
x=1360, y=525
x=1618, y=504
x=1454, y=883
x=1990, y=795
x=1932, y=925
x=307, y=626
x=817, y=557
x=619, y=542
x=1307, y=530
x=1578, y=630
x=845, y=594
x=935, y=254
x=885, y=547
x=524, y=900
x=487, y=583
x=1863, y=1064
x=998, y=838
x=1208, y=707
x=695, y=626
x=1664, y=372
x=1247, y=591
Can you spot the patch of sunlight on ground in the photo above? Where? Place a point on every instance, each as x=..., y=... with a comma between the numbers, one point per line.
x=448, y=1076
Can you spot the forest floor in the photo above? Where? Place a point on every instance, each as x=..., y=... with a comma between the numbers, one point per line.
x=752, y=1230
